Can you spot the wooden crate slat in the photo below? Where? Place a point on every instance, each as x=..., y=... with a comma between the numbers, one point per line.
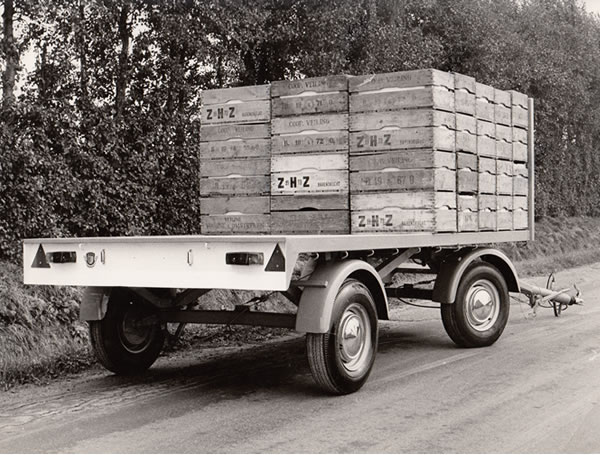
x=406, y=200
x=309, y=182
x=520, y=152
x=439, y=138
x=465, y=102
x=312, y=84
x=467, y=213
x=487, y=220
x=518, y=99
x=484, y=91
x=487, y=201
x=402, y=79
x=247, y=205
x=315, y=104
x=430, y=97
x=467, y=181
x=302, y=162
x=403, y=220
x=504, y=167
x=466, y=142
x=246, y=93
x=321, y=122
x=235, y=186
x=228, y=167
x=403, y=159
x=487, y=165
x=467, y=161
x=502, y=115
x=339, y=201
x=310, y=222
x=520, y=202
x=466, y=123
x=210, y=133
x=245, y=148
x=520, y=219
x=520, y=117
x=487, y=183
x=405, y=179
x=236, y=224
x=504, y=220
x=504, y=149
x=520, y=185
x=502, y=97
x=519, y=135
x=328, y=141
x=485, y=128
x=401, y=119
x=486, y=146
x=504, y=184
x=245, y=112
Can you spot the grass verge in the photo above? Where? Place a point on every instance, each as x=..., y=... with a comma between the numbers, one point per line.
x=41, y=338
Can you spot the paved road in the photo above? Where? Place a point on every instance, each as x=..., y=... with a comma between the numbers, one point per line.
x=536, y=390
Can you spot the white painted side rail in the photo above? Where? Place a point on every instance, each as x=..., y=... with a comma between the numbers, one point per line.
x=198, y=262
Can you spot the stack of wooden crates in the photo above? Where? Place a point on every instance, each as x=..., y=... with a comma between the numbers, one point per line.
x=309, y=162
x=235, y=159
x=413, y=151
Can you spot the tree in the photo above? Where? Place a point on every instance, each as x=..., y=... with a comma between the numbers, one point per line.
x=11, y=55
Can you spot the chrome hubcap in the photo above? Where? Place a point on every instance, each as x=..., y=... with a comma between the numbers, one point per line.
x=483, y=305
x=354, y=341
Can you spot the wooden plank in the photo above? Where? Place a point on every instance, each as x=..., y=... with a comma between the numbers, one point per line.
x=485, y=110
x=520, y=116
x=465, y=102
x=235, y=167
x=321, y=122
x=403, y=159
x=309, y=182
x=504, y=220
x=484, y=92
x=466, y=123
x=502, y=97
x=339, y=201
x=520, y=152
x=487, y=201
x=246, y=93
x=520, y=202
x=463, y=82
x=504, y=133
x=439, y=138
x=518, y=99
x=486, y=146
x=409, y=118
x=504, y=202
x=401, y=79
x=504, y=149
x=487, y=165
x=305, y=162
x=209, y=133
x=406, y=179
x=520, y=219
x=310, y=222
x=403, y=220
x=247, y=205
x=236, y=224
x=466, y=142
x=226, y=186
x=487, y=183
x=328, y=141
x=467, y=161
x=467, y=181
x=519, y=135
x=504, y=167
x=504, y=184
x=502, y=114
x=468, y=213
x=244, y=112
x=312, y=84
x=430, y=97
x=520, y=185
x=406, y=200
x=237, y=148
x=316, y=104
x=485, y=128
x=487, y=220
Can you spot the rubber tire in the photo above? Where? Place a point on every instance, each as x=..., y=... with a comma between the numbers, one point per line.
x=454, y=317
x=324, y=362
x=107, y=344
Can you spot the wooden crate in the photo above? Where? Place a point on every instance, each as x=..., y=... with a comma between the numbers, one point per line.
x=502, y=107
x=338, y=201
x=432, y=97
x=464, y=94
x=235, y=215
x=520, y=213
x=236, y=105
x=235, y=186
x=487, y=175
x=487, y=212
x=520, y=141
x=401, y=79
x=467, y=213
x=310, y=222
x=310, y=96
x=305, y=174
x=467, y=173
x=403, y=180
x=466, y=133
x=504, y=143
x=520, y=180
x=310, y=133
x=236, y=224
x=438, y=138
x=504, y=213
x=209, y=133
x=486, y=138
x=520, y=110
x=504, y=178
x=235, y=167
x=410, y=118
x=402, y=159
x=242, y=205
x=403, y=212
x=485, y=107
x=235, y=149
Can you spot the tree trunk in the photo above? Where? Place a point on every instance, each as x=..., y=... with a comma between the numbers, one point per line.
x=12, y=55
x=122, y=74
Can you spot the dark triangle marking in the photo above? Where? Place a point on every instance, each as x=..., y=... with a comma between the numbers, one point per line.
x=40, y=261
x=277, y=261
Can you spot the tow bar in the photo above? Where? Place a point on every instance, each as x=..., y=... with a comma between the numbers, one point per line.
x=549, y=298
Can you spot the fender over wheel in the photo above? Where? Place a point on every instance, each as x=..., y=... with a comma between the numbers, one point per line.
x=341, y=359
x=479, y=314
x=130, y=337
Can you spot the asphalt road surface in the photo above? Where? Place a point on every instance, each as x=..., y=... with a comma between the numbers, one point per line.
x=536, y=390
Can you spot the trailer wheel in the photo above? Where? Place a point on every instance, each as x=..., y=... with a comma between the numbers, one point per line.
x=341, y=359
x=478, y=316
x=129, y=338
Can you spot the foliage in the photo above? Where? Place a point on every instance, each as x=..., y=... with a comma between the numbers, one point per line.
x=103, y=136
